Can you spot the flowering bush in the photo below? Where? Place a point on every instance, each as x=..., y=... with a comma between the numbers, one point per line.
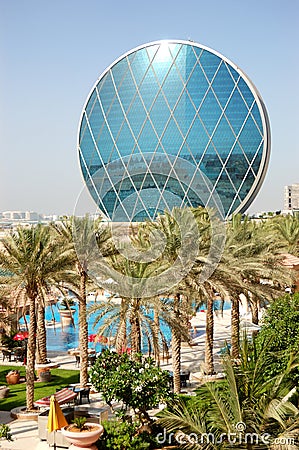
x=137, y=383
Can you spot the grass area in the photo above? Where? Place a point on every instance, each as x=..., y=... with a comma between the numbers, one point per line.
x=60, y=378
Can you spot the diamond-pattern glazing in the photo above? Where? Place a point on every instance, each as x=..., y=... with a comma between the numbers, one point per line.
x=165, y=102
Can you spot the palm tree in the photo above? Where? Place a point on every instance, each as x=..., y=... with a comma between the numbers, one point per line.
x=181, y=240
x=41, y=337
x=34, y=263
x=287, y=228
x=84, y=237
x=248, y=255
x=252, y=255
x=273, y=248
x=221, y=281
x=130, y=320
x=209, y=274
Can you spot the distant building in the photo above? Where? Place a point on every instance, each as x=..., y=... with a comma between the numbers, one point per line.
x=291, y=197
x=20, y=216
x=32, y=215
x=13, y=215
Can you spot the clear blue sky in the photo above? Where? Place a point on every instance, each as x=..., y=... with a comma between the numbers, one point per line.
x=52, y=52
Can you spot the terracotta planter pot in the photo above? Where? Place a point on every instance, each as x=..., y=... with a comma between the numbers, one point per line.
x=44, y=375
x=13, y=378
x=38, y=371
x=83, y=439
x=66, y=316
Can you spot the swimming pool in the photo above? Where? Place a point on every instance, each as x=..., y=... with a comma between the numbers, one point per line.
x=61, y=339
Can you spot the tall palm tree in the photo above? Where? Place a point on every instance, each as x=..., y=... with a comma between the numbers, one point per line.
x=248, y=255
x=221, y=281
x=130, y=320
x=84, y=237
x=253, y=255
x=176, y=342
x=209, y=274
x=34, y=263
x=41, y=337
x=181, y=241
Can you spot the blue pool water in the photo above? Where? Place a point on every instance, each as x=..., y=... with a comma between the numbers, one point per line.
x=217, y=306
x=61, y=339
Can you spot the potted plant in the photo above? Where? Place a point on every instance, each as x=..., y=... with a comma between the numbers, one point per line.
x=44, y=375
x=67, y=303
x=82, y=434
x=13, y=377
x=66, y=311
x=4, y=391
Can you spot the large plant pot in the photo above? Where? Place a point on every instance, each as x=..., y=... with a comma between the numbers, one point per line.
x=44, y=376
x=13, y=378
x=83, y=439
x=66, y=316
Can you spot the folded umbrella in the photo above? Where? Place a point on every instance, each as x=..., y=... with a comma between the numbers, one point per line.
x=56, y=419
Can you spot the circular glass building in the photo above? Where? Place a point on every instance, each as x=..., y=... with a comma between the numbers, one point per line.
x=173, y=123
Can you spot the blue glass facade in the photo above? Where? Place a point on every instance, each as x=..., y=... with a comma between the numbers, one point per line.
x=164, y=105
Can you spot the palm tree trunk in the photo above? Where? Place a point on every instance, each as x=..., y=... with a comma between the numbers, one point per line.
x=31, y=349
x=176, y=347
x=209, y=360
x=135, y=329
x=121, y=338
x=83, y=331
x=235, y=327
x=156, y=338
x=165, y=350
x=255, y=310
x=185, y=312
x=41, y=337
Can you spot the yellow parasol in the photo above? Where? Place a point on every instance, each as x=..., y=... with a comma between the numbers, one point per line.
x=56, y=419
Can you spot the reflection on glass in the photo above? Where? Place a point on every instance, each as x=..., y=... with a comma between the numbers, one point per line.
x=178, y=99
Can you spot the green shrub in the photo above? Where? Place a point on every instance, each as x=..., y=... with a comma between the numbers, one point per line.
x=129, y=436
x=280, y=331
x=138, y=384
x=122, y=436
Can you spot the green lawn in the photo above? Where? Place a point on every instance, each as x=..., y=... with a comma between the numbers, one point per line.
x=60, y=378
